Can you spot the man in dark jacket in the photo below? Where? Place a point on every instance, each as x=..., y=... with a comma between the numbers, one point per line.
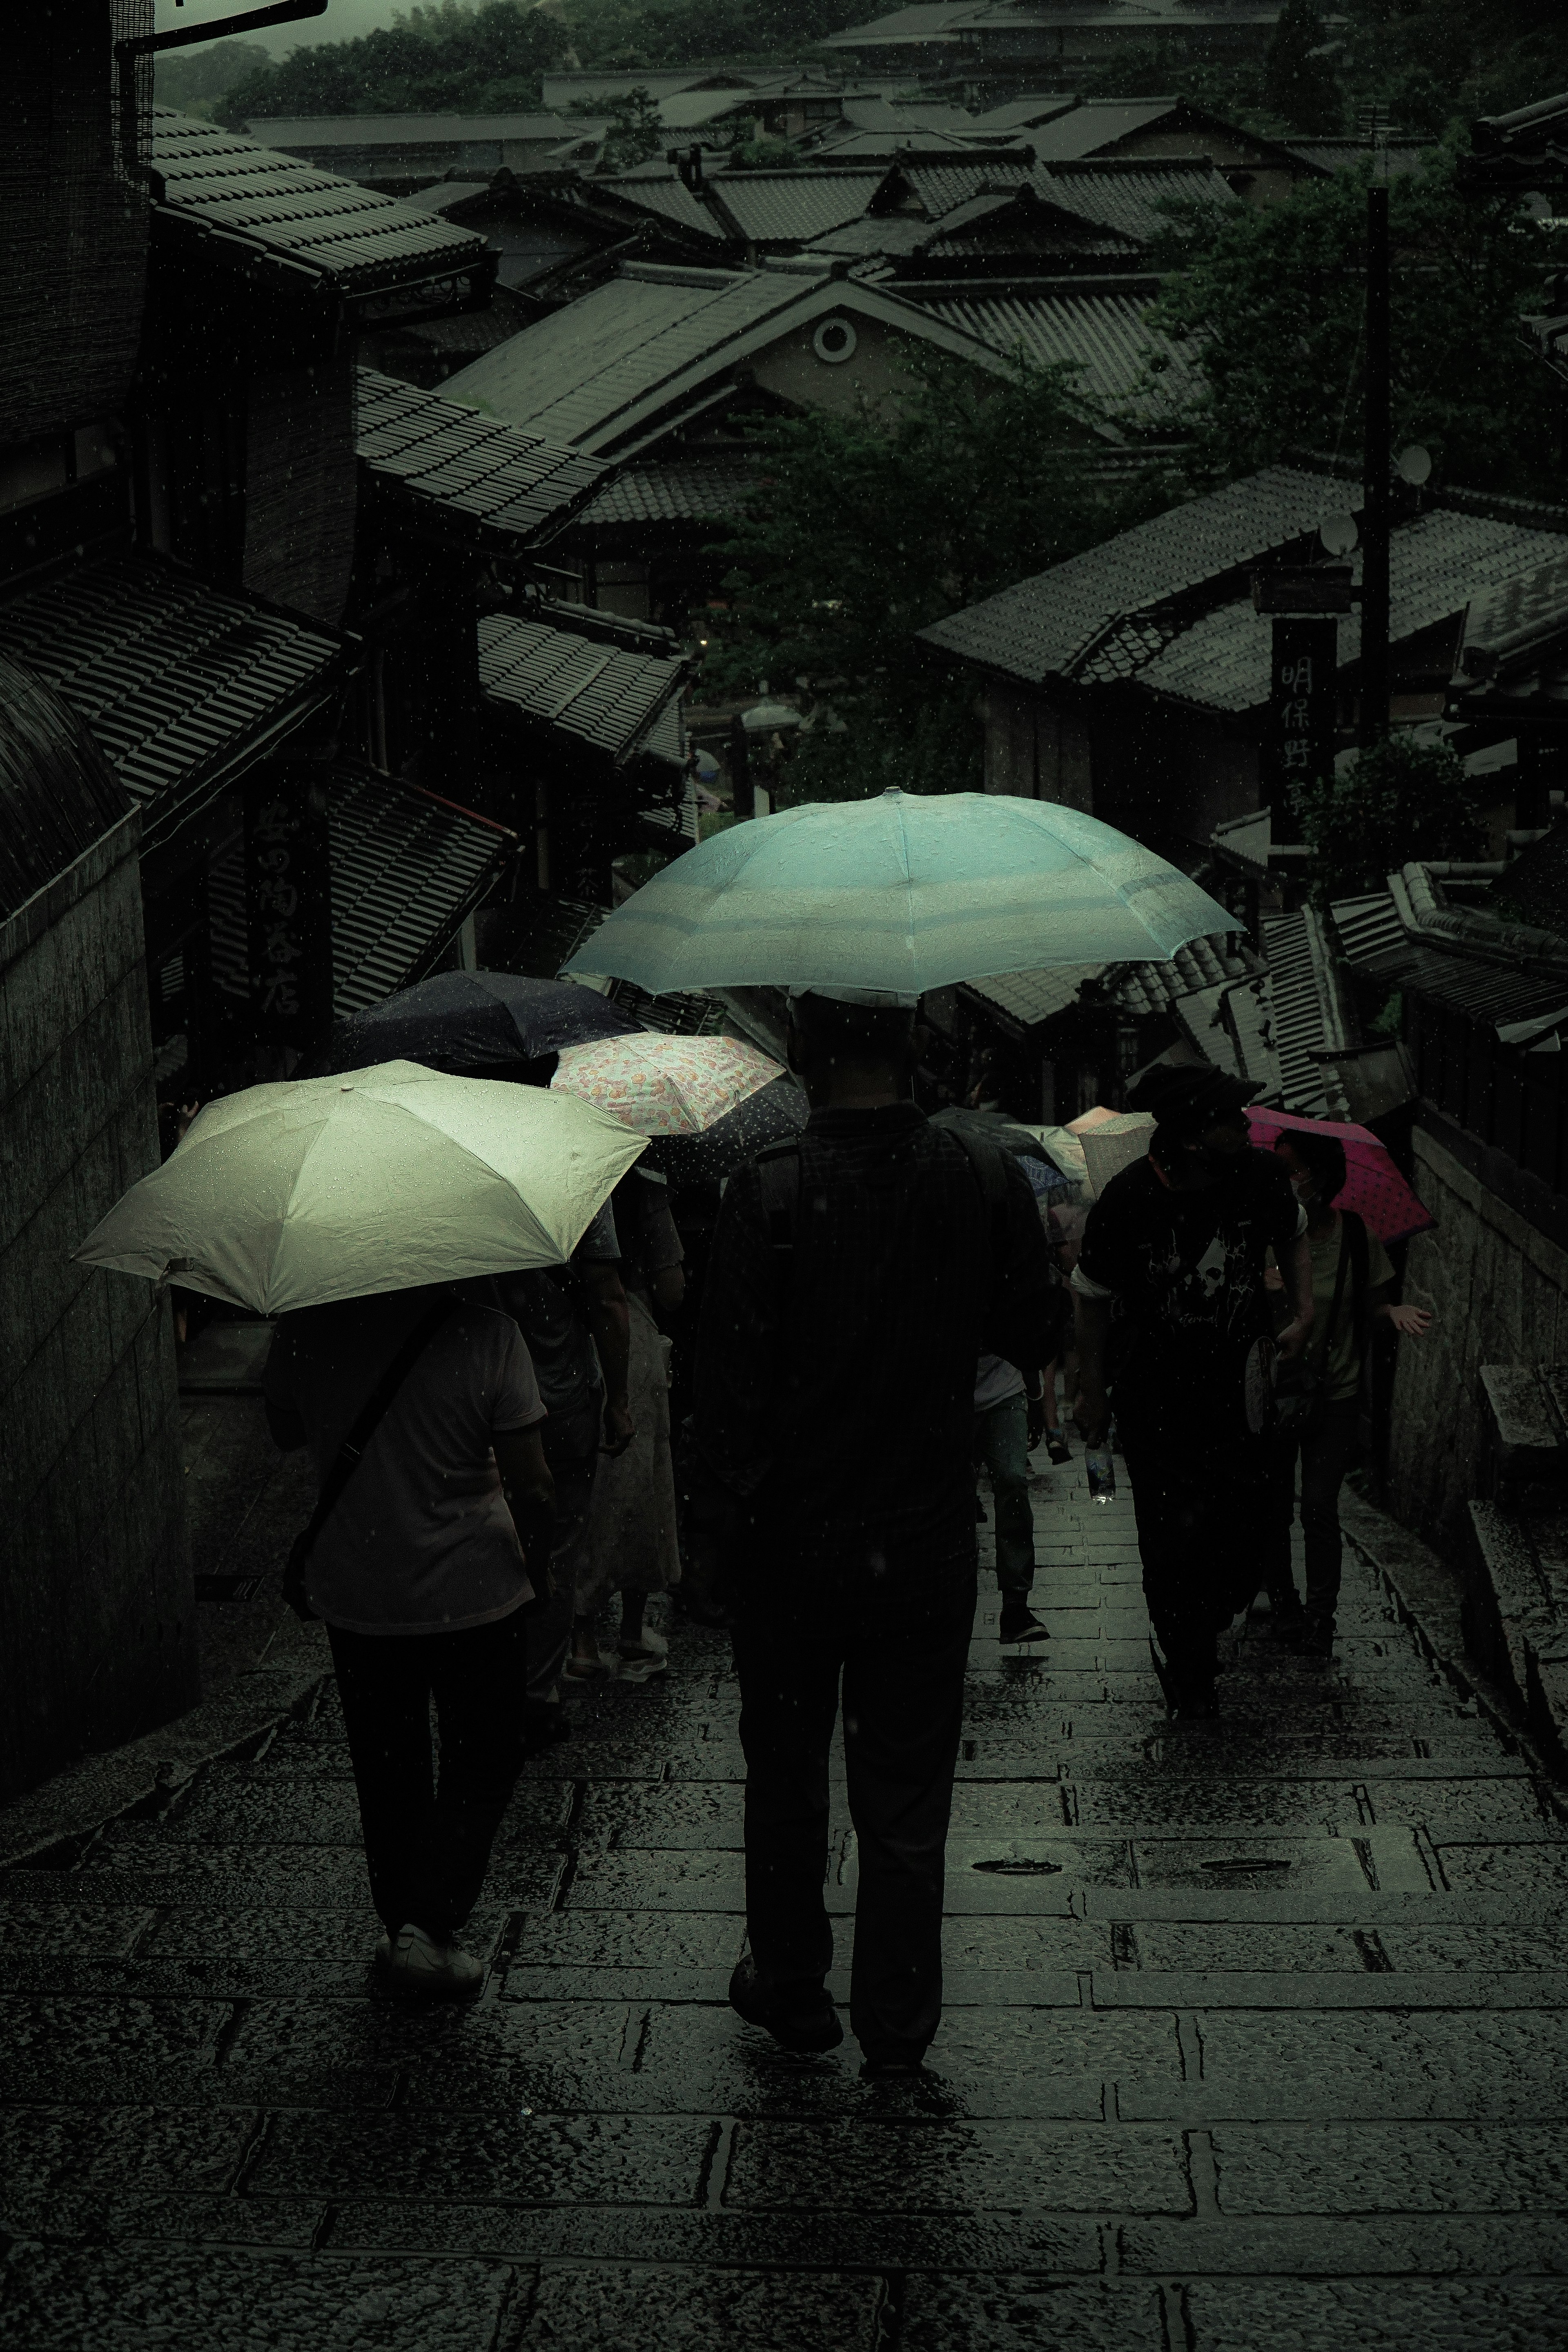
x=856, y=1277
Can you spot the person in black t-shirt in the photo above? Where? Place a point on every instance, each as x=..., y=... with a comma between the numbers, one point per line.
x=1173, y=1328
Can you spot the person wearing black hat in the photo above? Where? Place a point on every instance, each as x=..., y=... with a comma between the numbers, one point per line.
x=1173, y=1328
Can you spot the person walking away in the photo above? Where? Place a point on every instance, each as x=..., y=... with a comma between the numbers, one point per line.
x=858, y=1274
x=631, y=1544
x=1352, y=1278
x=1170, y=1271
x=576, y=1324
x=420, y=1573
x=1064, y=1227
x=1009, y=1423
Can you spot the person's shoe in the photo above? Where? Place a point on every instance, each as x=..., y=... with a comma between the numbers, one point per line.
x=892, y=2070
x=416, y=1964
x=1313, y=1637
x=801, y=2019
x=645, y=1645
x=1019, y=1624
x=545, y=1722
x=1188, y=1686
x=1057, y=1446
x=638, y=1666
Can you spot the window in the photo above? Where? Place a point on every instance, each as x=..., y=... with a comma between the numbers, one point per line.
x=835, y=342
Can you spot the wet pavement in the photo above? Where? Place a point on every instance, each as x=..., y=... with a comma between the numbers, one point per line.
x=1255, y=2035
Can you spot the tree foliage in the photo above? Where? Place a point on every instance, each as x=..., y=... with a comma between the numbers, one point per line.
x=1403, y=799
x=875, y=523
x=192, y=78
x=1299, y=80
x=1272, y=300
x=433, y=60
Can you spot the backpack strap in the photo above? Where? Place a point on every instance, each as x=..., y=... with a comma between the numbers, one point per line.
x=371, y=1415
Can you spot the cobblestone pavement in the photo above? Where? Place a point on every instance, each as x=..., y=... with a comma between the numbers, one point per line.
x=1254, y=2036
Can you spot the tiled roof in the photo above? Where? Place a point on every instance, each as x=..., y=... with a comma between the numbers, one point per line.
x=1023, y=113
x=1395, y=157
x=1029, y=997
x=1308, y=1087
x=1132, y=201
x=666, y=193
x=439, y=456
x=1101, y=331
x=792, y=207
x=599, y=693
x=571, y=376
x=1367, y=928
x=182, y=683
x=689, y=489
x=1088, y=130
x=406, y=870
x=1438, y=564
x=255, y=203
x=408, y=129
x=940, y=187
x=1041, y=627
x=1141, y=988
x=1020, y=222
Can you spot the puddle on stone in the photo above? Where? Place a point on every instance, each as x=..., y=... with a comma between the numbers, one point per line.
x=1248, y=1862
x=1006, y=1867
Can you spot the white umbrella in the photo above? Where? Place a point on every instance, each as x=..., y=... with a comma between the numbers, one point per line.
x=290, y=1195
x=907, y=891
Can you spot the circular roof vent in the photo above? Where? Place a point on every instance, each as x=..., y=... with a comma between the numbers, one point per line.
x=835, y=342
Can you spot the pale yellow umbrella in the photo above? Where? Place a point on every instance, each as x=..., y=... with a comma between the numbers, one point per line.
x=289, y=1195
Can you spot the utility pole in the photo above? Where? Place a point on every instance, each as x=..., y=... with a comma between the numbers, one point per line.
x=1376, y=480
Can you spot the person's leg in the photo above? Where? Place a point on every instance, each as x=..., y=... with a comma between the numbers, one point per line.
x=1003, y=1431
x=903, y=1709
x=1325, y=1457
x=384, y=1685
x=479, y=1677
x=788, y=1644
x=1173, y=1514
x=1278, y=1577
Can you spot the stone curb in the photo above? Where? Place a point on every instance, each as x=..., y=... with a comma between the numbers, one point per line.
x=1429, y=1595
x=78, y=1801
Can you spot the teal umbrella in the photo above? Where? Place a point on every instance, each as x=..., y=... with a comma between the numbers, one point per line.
x=908, y=891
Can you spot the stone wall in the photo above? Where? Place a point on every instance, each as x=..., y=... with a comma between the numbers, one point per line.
x=1499, y=1291
x=97, y=1632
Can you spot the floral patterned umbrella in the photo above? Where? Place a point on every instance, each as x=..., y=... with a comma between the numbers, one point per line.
x=664, y=1086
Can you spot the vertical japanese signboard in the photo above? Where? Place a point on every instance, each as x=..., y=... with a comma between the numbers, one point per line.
x=1298, y=744
x=288, y=894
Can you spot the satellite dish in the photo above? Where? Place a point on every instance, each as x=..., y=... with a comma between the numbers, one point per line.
x=1339, y=533
x=1413, y=464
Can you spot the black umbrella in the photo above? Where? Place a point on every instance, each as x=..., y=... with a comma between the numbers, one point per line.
x=996, y=1126
x=774, y=1112
x=472, y=1021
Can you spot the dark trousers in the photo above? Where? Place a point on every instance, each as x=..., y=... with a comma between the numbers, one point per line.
x=1202, y=1526
x=900, y=1643
x=427, y=1845
x=1325, y=1452
x=1002, y=1442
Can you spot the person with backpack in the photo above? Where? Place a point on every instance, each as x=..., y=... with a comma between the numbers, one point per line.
x=1174, y=1330
x=422, y=1414
x=1320, y=1406
x=857, y=1273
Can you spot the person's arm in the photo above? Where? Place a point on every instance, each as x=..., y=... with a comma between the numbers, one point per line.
x=1412, y=1322
x=529, y=1488
x=610, y=1321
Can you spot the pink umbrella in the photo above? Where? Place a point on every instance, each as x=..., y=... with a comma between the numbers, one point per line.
x=664, y=1086
x=1374, y=1187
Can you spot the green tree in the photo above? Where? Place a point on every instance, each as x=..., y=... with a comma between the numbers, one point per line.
x=1401, y=800
x=635, y=132
x=193, y=78
x=434, y=60
x=1272, y=300
x=1298, y=82
x=872, y=524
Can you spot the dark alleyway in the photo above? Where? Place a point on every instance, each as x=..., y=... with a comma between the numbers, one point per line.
x=1255, y=2035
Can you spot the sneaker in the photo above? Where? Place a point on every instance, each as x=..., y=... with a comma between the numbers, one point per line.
x=1019, y=1624
x=415, y=1963
x=803, y=2018
x=1057, y=1446
x=648, y=1644
x=1312, y=1637
x=637, y=1667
